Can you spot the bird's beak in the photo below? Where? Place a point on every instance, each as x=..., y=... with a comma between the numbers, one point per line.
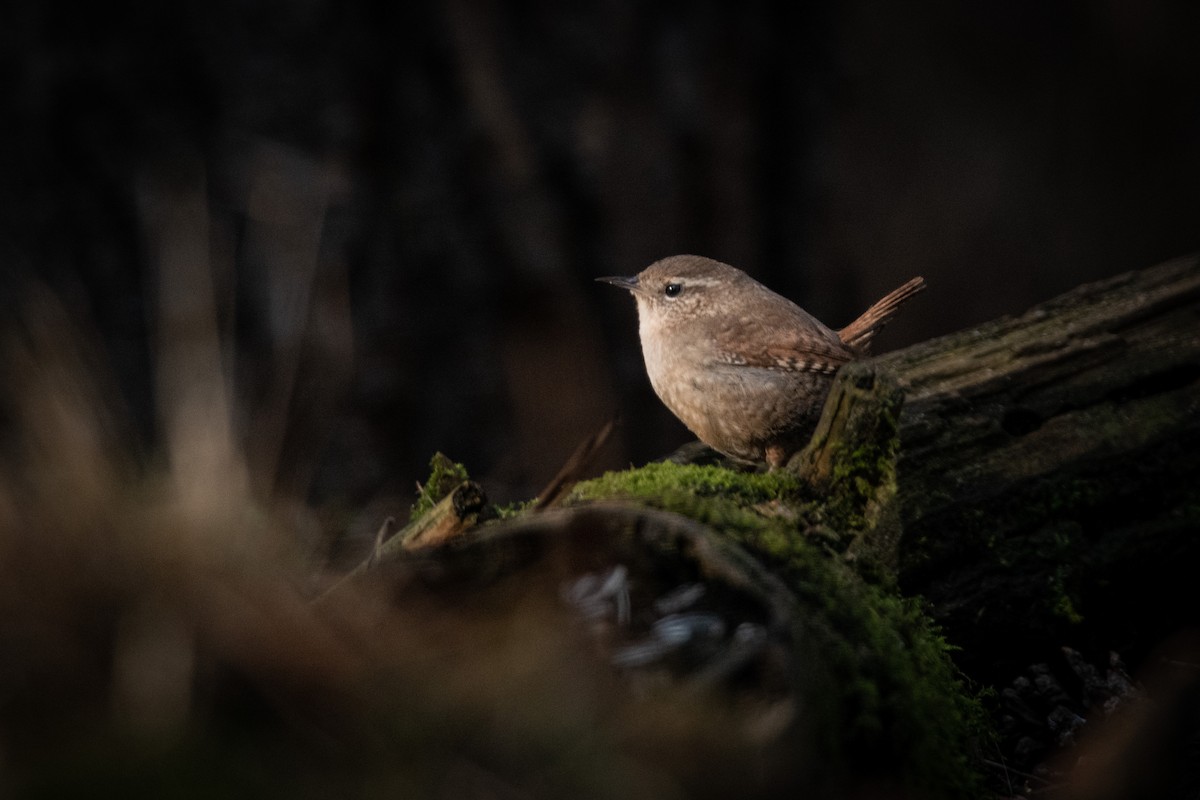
x=620, y=281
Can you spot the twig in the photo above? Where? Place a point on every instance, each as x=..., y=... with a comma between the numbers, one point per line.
x=457, y=513
x=572, y=470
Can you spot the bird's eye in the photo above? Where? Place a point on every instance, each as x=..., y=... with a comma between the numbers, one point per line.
x=673, y=289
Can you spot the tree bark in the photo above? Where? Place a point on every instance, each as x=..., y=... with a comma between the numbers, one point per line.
x=1045, y=486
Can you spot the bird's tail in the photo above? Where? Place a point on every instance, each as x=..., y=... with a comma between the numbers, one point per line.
x=858, y=334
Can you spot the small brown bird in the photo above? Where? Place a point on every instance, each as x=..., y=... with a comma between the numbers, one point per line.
x=745, y=369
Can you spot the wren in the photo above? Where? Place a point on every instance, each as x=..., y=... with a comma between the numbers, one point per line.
x=745, y=369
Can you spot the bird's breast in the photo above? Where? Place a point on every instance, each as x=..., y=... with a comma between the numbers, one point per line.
x=673, y=357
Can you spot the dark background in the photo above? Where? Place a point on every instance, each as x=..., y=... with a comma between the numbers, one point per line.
x=402, y=206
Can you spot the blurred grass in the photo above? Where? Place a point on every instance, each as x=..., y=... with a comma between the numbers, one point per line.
x=157, y=637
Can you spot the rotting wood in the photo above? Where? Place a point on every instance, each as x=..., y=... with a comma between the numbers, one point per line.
x=455, y=514
x=1045, y=464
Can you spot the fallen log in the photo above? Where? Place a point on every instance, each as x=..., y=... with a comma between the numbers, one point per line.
x=1032, y=480
x=1043, y=488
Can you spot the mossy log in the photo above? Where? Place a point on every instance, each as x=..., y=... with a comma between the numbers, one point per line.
x=1024, y=477
x=1045, y=468
x=808, y=680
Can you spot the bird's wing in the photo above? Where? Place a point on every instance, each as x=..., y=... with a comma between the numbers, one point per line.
x=789, y=340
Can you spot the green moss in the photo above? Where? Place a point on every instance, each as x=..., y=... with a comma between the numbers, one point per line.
x=1062, y=605
x=444, y=475
x=762, y=510
x=858, y=479
x=901, y=705
x=514, y=509
x=851, y=465
x=864, y=470
x=653, y=480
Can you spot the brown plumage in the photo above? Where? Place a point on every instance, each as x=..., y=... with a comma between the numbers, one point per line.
x=744, y=368
x=858, y=334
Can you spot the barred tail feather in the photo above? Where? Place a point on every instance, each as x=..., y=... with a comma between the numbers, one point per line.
x=858, y=334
